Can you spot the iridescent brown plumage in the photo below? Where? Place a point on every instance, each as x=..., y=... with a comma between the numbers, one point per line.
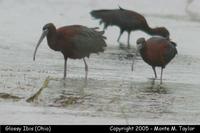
x=75, y=42
x=128, y=21
x=157, y=52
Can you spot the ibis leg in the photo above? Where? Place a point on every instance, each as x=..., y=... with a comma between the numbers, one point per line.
x=129, y=33
x=105, y=27
x=86, y=68
x=134, y=58
x=65, y=68
x=120, y=34
x=161, y=75
x=154, y=70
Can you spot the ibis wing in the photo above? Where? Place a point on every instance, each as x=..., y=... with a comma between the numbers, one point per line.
x=120, y=17
x=167, y=48
x=88, y=40
x=170, y=52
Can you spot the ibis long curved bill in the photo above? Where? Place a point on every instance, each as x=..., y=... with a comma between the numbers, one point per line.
x=44, y=33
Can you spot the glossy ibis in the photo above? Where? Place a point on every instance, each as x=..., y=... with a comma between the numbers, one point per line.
x=75, y=42
x=157, y=52
x=128, y=21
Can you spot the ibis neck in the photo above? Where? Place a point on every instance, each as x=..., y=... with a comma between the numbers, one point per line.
x=150, y=31
x=51, y=39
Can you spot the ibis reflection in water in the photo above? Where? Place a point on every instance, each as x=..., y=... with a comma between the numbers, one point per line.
x=157, y=52
x=127, y=20
x=75, y=42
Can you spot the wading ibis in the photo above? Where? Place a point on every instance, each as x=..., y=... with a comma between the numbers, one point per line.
x=75, y=42
x=128, y=21
x=157, y=52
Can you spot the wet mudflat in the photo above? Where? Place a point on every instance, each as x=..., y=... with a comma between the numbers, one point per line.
x=111, y=90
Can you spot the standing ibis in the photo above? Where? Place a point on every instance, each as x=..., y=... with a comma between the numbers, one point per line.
x=75, y=42
x=128, y=21
x=157, y=52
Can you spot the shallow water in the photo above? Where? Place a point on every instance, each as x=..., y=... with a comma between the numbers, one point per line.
x=112, y=90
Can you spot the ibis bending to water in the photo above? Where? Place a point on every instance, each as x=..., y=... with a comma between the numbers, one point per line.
x=75, y=42
x=157, y=52
x=128, y=21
